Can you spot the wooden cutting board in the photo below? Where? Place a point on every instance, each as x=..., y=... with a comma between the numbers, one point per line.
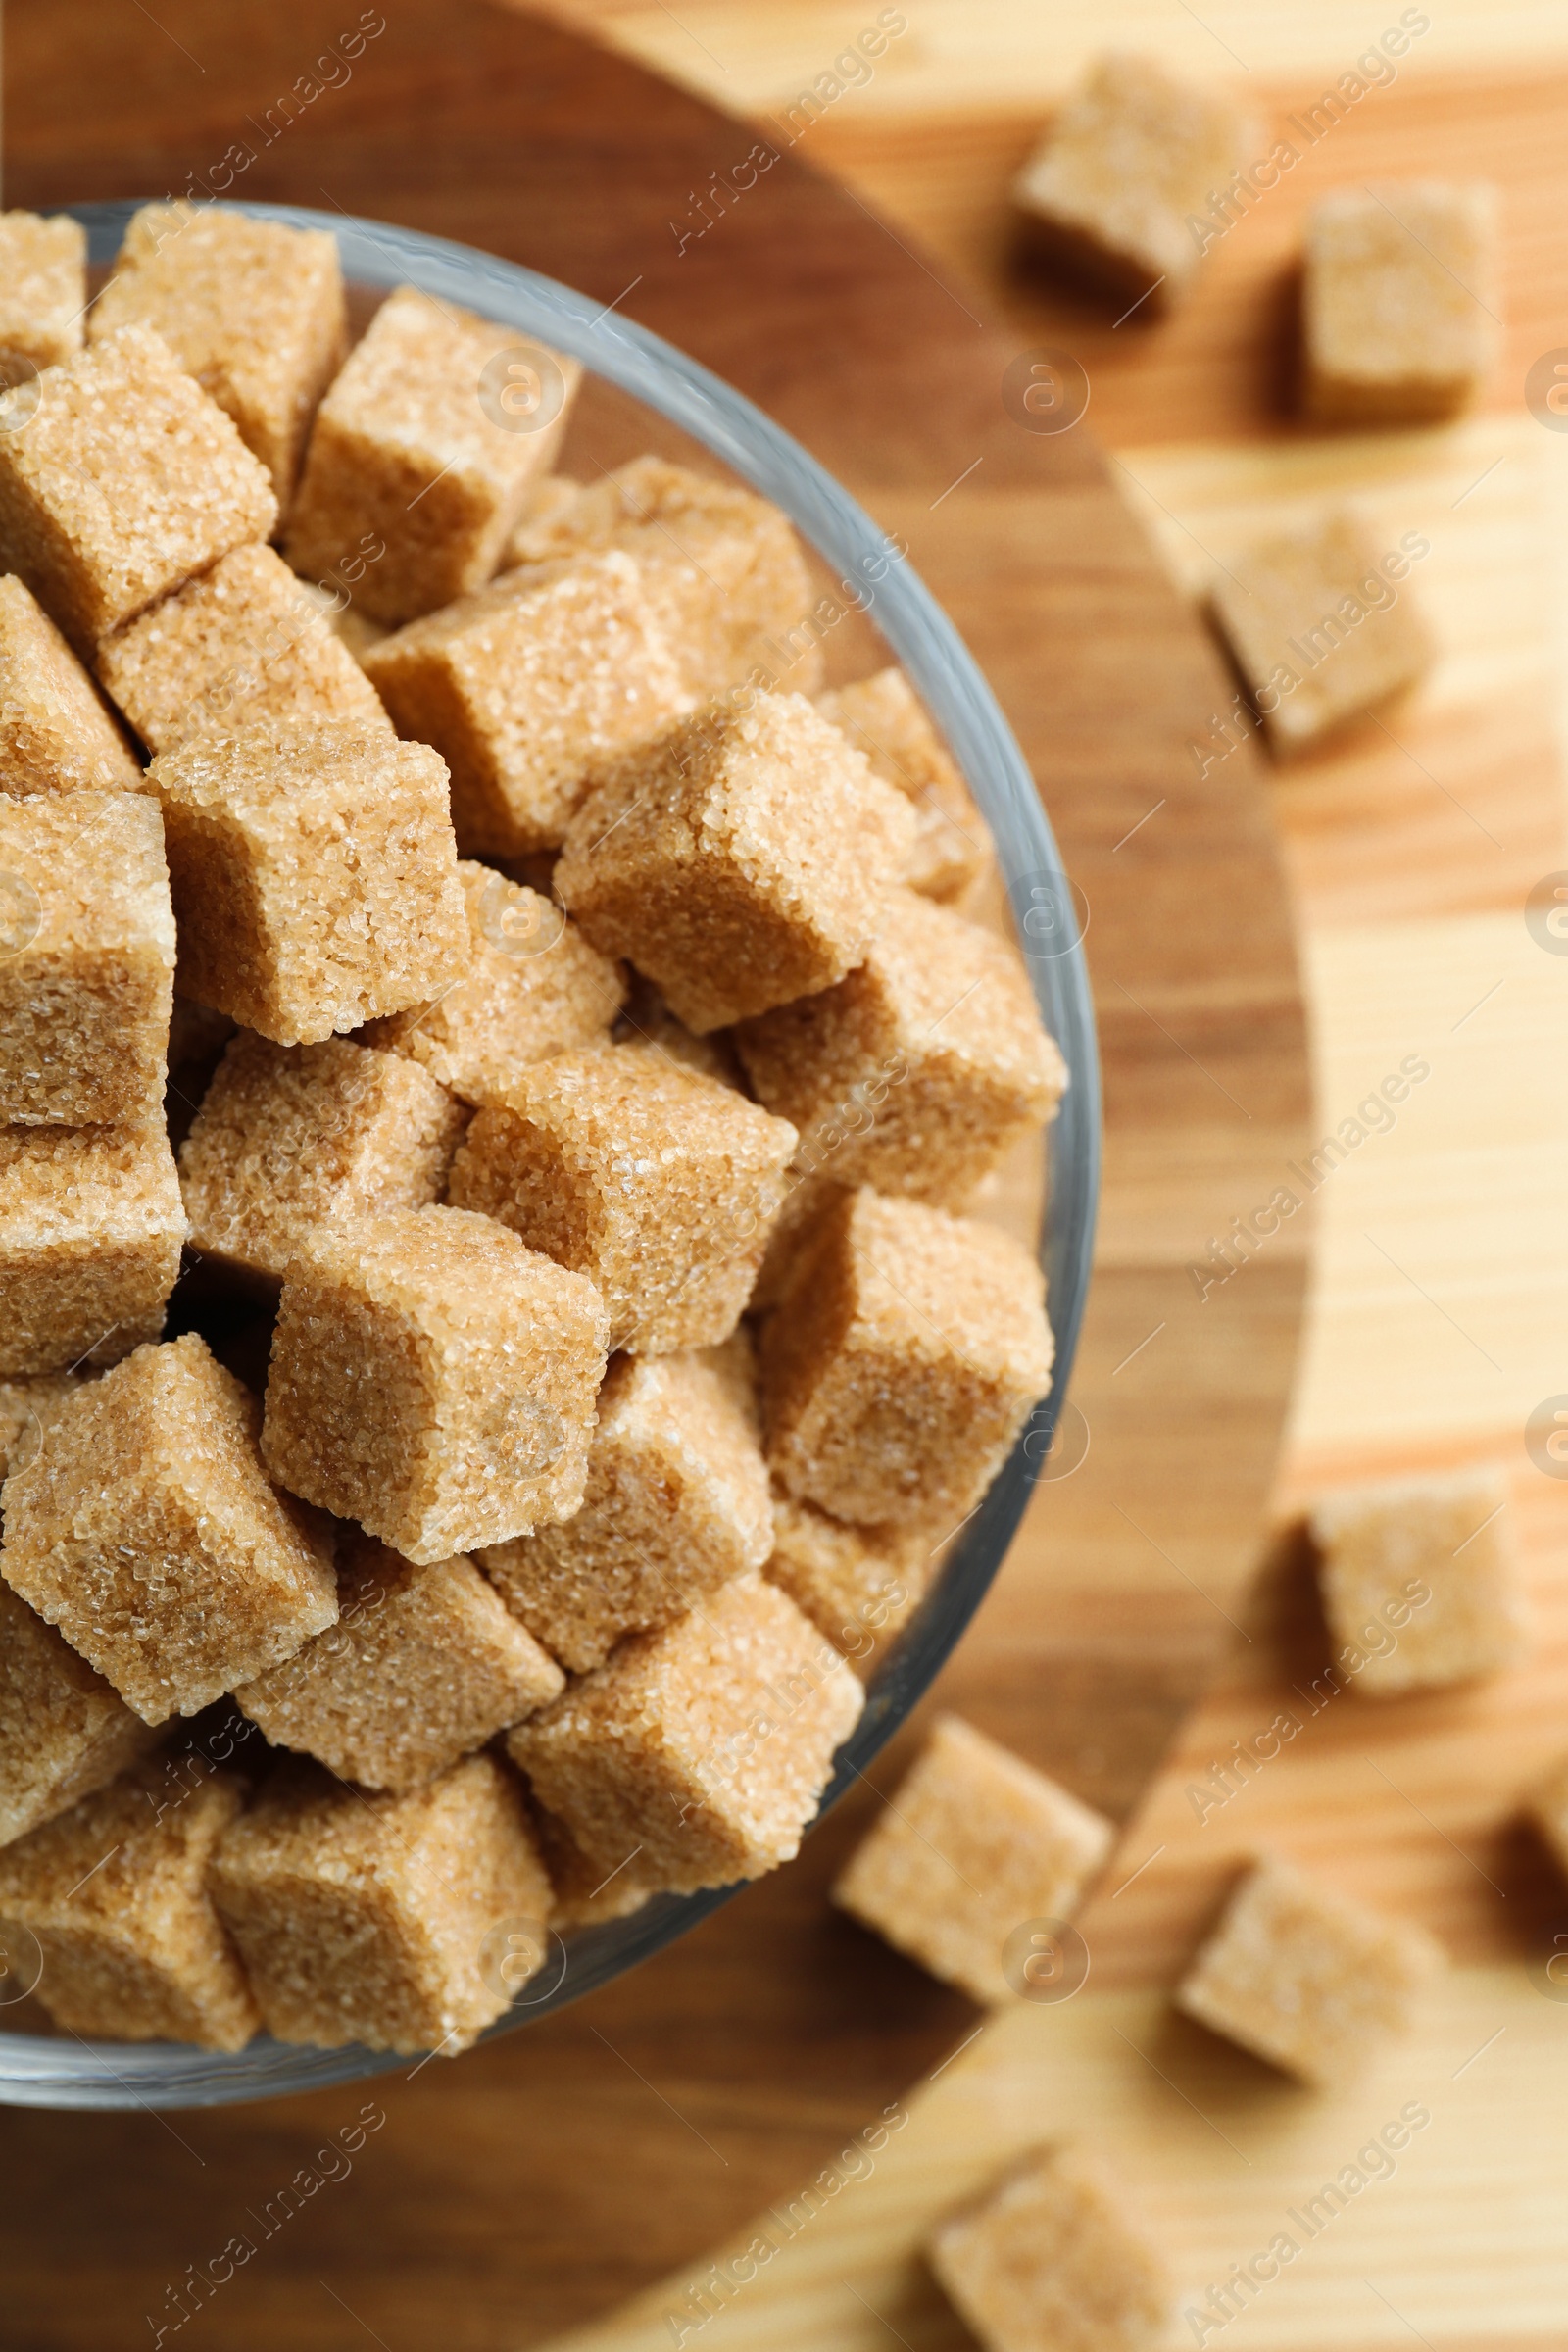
x=540, y=2181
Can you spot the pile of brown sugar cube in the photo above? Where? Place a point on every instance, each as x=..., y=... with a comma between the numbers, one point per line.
x=582, y=1060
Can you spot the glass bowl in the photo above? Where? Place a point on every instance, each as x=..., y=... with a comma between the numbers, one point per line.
x=59, y=2070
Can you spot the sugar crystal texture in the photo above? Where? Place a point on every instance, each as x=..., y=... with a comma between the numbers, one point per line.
x=64, y=1731
x=1421, y=1581
x=43, y=286
x=882, y=717
x=739, y=861
x=86, y=958
x=405, y=1923
x=26, y=1408
x=55, y=733
x=434, y=1380
x=146, y=1530
x=91, y=1226
x=658, y=1183
x=906, y=1358
x=699, y=1748
x=1398, y=302
x=857, y=1584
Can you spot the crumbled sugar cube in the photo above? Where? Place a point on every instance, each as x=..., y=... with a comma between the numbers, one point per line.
x=422, y=1666
x=920, y=1068
x=115, y=1892
x=647, y=1020
x=1131, y=158
x=64, y=1731
x=1398, y=302
x=857, y=1584
x=526, y=688
x=146, y=1530
x=55, y=733
x=315, y=875
x=1056, y=2258
x=739, y=861
x=658, y=1183
x=26, y=1408
x=586, y=1893
x=252, y=309
x=1319, y=628
x=405, y=1923
x=1421, y=1581
x=125, y=480
x=700, y=1748
x=434, y=1380
x=882, y=718
x=429, y=441
x=241, y=647
x=292, y=1137
x=91, y=1225
x=677, y=1503
x=43, y=286
x=975, y=1845
x=1549, y=1810
x=723, y=569
x=533, y=987
x=86, y=958
x=907, y=1354
x=1299, y=1974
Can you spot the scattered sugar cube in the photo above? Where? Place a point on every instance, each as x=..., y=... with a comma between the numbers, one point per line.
x=738, y=862
x=434, y=1380
x=26, y=1408
x=241, y=647
x=528, y=687
x=1129, y=161
x=91, y=1225
x=400, y=1922
x=1549, y=1810
x=920, y=1068
x=857, y=1584
x=423, y=444
x=64, y=1731
x=533, y=987
x=1421, y=1581
x=1055, y=2258
x=55, y=733
x=1319, y=628
x=43, y=286
x=908, y=1352
x=1398, y=302
x=658, y=1183
x=882, y=717
x=147, y=1532
x=126, y=482
x=115, y=1892
x=677, y=1503
x=702, y=1747
x=1299, y=1974
x=422, y=1666
x=252, y=309
x=315, y=875
x=86, y=958
x=585, y=1893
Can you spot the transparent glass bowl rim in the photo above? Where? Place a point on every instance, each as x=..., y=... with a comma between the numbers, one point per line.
x=66, y=2072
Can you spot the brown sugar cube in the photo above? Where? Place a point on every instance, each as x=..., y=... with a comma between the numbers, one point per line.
x=739, y=861
x=882, y=718
x=702, y=1747
x=115, y=1892
x=1421, y=1581
x=528, y=686
x=857, y=1584
x=533, y=987
x=26, y=1408
x=806, y=1204
x=64, y=1731
x=127, y=481
x=252, y=309
x=55, y=733
x=86, y=958
x=1319, y=630
x=315, y=875
x=43, y=286
x=292, y=1137
x=677, y=1503
x=658, y=1183
x=423, y=444
x=241, y=647
x=1398, y=298
x=920, y=1068
x=907, y=1354
x=405, y=1923
x=1299, y=1974
x=91, y=1226
x=422, y=1666
x=434, y=1380
x=1129, y=159
x=1056, y=2258
x=723, y=569
x=586, y=1895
